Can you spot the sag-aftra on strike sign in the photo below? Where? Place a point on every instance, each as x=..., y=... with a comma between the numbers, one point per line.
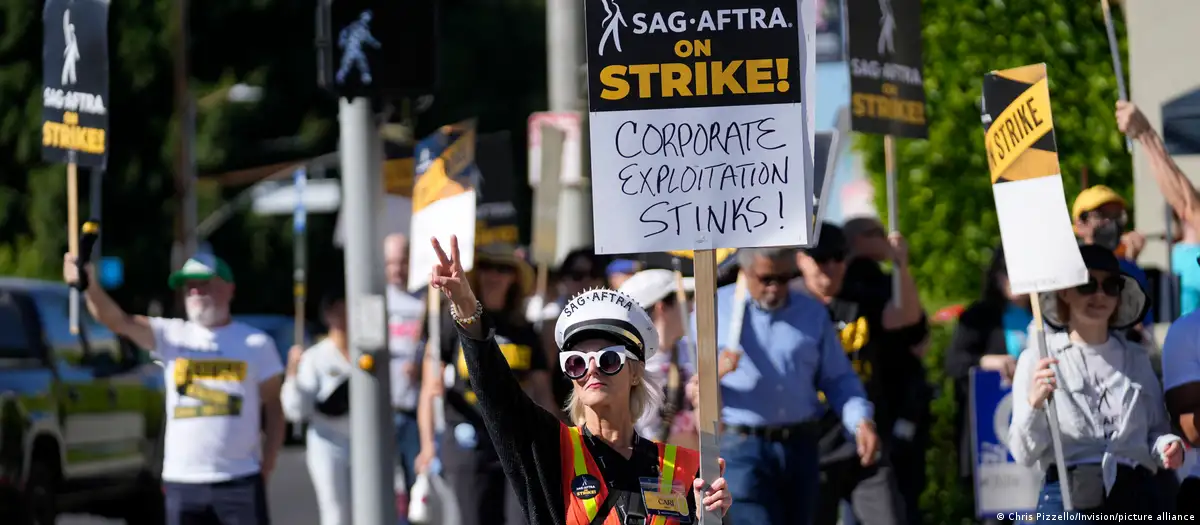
x=699, y=133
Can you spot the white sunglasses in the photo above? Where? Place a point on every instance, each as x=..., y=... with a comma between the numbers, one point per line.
x=610, y=360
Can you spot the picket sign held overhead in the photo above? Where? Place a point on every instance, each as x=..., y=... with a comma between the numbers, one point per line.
x=1031, y=207
x=569, y=123
x=443, y=199
x=887, y=85
x=75, y=102
x=1039, y=244
x=700, y=136
x=701, y=139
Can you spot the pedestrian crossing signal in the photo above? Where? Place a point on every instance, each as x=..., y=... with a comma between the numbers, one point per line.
x=377, y=47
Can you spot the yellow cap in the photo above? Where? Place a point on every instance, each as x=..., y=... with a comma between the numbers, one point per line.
x=366, y=362
x=90, y=227
x=1095, y=197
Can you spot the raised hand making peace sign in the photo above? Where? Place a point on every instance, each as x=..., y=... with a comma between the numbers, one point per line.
x=449, y=277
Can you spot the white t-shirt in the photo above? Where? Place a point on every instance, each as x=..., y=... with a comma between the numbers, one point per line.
x=322, y=370
x=405, y=313
x=1105, y=386
x=213, y=405
x=1181, y=361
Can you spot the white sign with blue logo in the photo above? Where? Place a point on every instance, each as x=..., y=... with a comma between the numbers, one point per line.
x=1001, y=485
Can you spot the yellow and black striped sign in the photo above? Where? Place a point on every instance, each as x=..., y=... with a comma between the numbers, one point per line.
x=1019, y=131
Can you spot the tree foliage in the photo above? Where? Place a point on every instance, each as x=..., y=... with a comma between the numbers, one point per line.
x=267, y=43
x=946, y=208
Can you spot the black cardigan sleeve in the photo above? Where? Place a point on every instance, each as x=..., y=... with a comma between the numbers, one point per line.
x=525, y=435
x=970, y=340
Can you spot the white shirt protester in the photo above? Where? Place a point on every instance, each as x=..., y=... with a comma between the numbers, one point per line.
x=214, y=412
x=321, y=372
x=405, y=316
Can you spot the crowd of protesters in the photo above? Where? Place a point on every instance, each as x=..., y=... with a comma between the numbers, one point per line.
x=824, y=405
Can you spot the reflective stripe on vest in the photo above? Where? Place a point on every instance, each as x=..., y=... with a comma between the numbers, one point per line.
x=675, y=464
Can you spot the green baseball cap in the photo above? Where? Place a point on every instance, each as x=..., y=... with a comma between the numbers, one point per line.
x=201, y=267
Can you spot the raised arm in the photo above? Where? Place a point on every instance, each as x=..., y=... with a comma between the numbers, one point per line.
x=510, y=415
x=1172, y=183
x=907, y=311
x=102, y=307
x=300, y=385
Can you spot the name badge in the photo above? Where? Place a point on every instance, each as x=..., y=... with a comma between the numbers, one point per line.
x=585, y=486
x=669, y=503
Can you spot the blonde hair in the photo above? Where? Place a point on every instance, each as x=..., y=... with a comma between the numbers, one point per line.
x=645, y=395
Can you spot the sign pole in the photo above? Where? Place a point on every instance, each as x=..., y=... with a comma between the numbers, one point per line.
x=708, y=418
x=1122, y=93
x=371, y=438
x=299, y=255
x=889, y=161
x=299, y=267
x=73, y=233
x=1051, y=413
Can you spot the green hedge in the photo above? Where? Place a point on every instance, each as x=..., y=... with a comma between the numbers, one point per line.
x=947, y=500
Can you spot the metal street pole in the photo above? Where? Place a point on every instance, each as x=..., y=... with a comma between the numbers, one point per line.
x=567, y=92
x=371, y=448
x=185, y=184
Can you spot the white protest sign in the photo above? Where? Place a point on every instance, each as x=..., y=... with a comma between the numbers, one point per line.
x=699, y=133
x=1039, y=243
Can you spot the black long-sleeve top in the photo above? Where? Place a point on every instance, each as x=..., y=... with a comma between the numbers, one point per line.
x=979, y=333
x=526, y=437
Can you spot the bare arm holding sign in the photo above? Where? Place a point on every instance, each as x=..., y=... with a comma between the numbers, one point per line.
x=108, y=312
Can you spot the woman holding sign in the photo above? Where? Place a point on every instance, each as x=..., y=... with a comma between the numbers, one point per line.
x=598, y=467
x=1115, y=432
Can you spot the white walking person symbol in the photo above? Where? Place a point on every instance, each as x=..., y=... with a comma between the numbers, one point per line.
x=351, y=40
x=887, y=26
x=610, y=23
x=70, y=49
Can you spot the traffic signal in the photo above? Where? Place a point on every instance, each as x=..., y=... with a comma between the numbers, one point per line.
x=370, y=48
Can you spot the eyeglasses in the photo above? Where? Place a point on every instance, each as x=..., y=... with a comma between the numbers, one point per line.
x=610, y=360
x=769, y=279
x=1111, y=286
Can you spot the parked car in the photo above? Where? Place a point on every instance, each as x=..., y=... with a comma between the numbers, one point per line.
x=81, y=415
x=281, y=328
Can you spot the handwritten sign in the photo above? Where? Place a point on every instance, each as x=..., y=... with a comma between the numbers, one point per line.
x=699, y=134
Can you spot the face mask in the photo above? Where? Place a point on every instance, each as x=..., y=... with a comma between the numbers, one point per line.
x=1107, y=235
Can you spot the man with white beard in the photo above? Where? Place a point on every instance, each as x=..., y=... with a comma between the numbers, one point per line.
x=223, y=381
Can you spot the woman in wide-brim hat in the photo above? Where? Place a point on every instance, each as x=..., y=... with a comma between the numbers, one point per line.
x=1107, y=398
x=468, y=457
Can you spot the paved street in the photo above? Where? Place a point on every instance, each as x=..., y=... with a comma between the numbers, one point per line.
x=290, y=493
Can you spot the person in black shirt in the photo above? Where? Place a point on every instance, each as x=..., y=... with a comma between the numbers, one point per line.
x=599, y=470
x=877, y=343
x=870, y=246
x=468, y=457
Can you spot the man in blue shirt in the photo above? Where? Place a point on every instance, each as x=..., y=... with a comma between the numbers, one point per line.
x=771, y=410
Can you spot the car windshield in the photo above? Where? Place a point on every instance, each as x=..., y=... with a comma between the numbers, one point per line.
x=14, y=339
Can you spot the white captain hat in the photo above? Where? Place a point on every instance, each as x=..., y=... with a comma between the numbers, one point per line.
x=607, y=314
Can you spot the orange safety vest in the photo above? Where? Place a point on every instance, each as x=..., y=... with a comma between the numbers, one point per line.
x=675, y=464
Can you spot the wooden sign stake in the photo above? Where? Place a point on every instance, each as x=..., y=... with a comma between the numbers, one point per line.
x=708, y=418
x=73, y=234
x=1051, y=414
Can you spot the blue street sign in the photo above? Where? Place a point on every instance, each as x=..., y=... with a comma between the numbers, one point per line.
x=1001, y=485
x=299, y=217
x=112, y=272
